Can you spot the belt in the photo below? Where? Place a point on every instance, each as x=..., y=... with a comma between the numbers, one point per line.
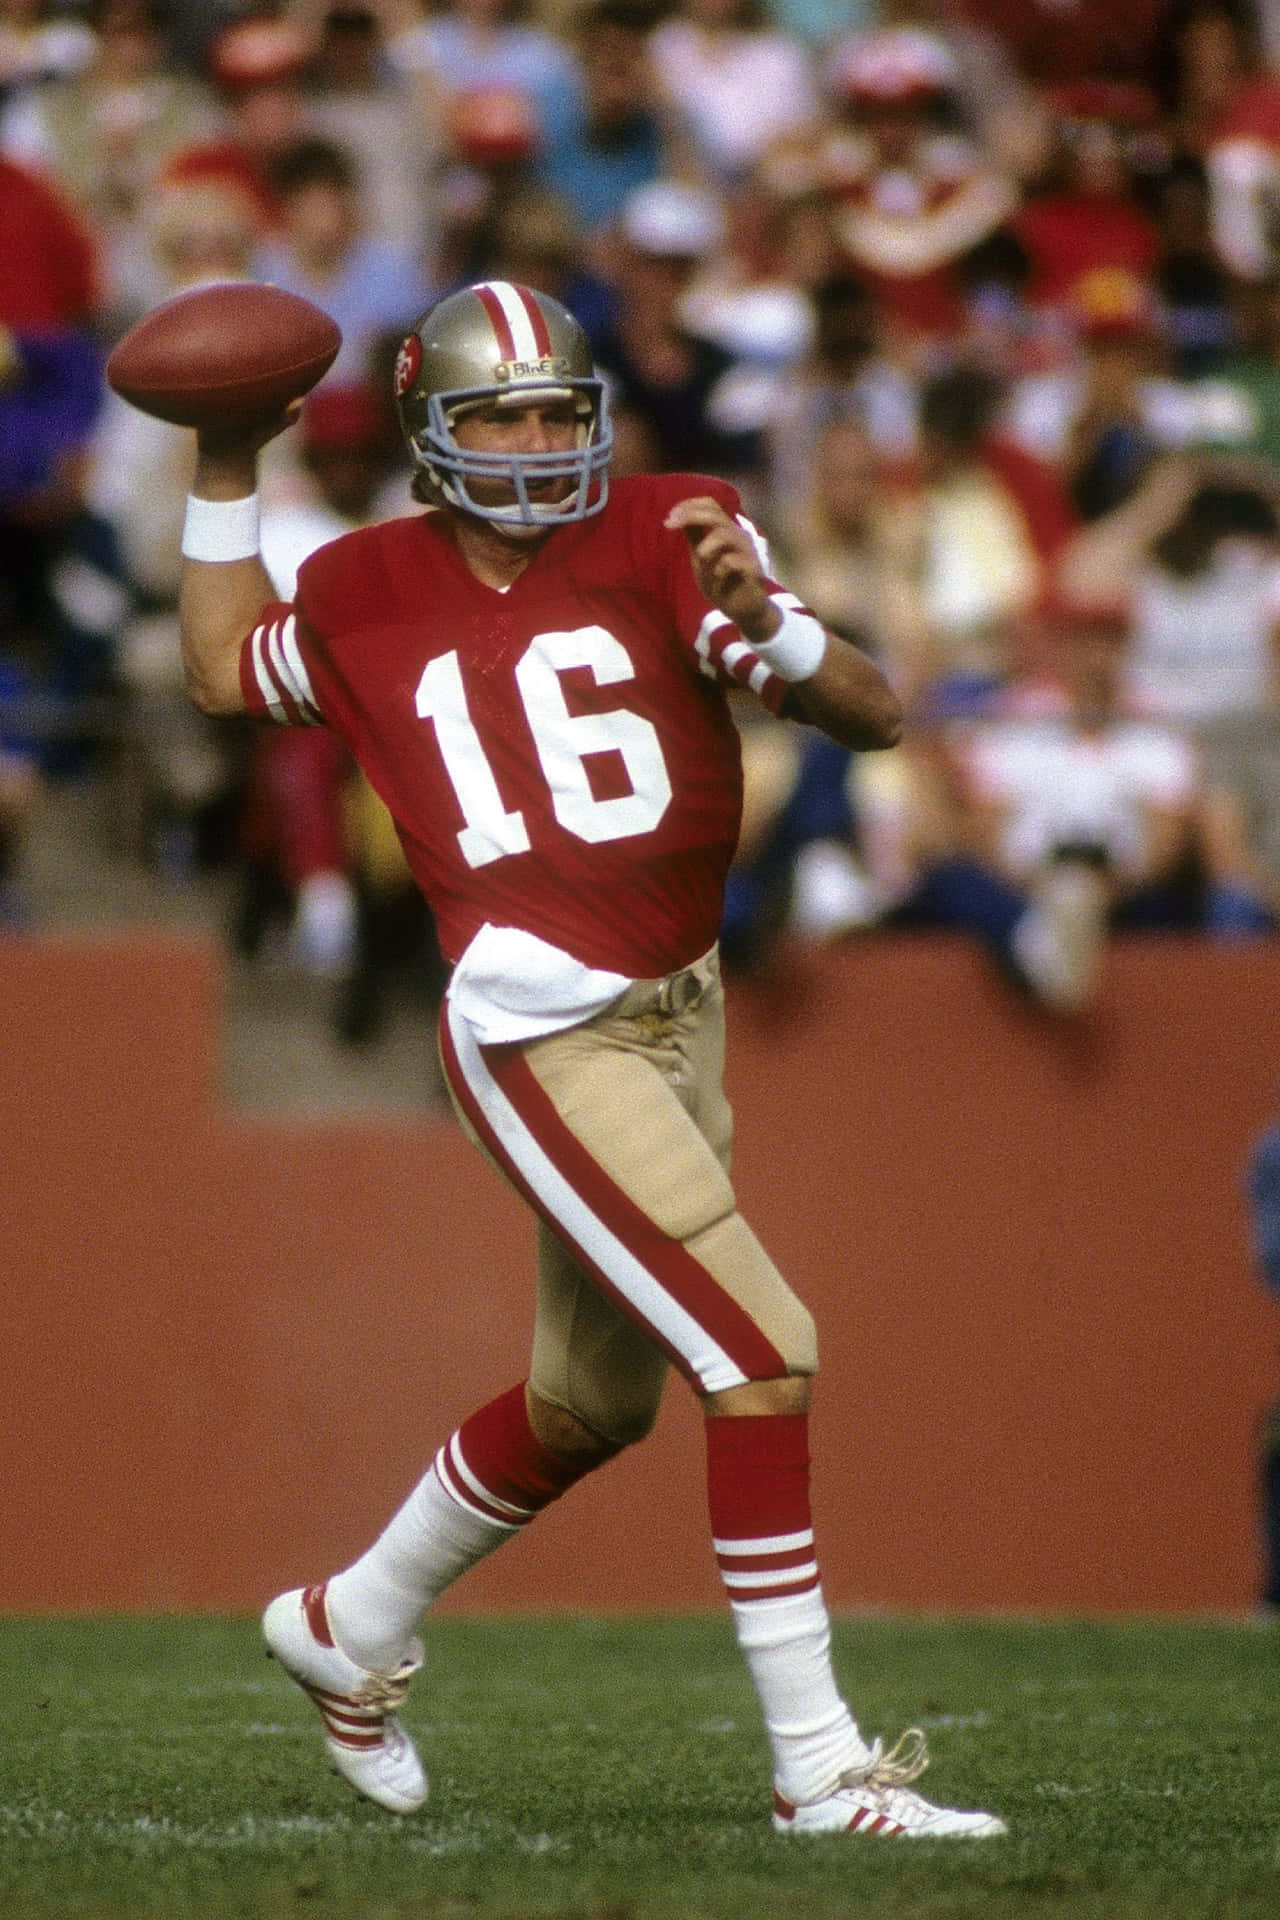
x=673, y=993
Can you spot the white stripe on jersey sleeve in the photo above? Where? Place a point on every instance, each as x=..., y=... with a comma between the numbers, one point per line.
x=297, y=665
x=262, y=678
x=281, y=673
x=738, y=654
x=702, y=642
x=723, y=653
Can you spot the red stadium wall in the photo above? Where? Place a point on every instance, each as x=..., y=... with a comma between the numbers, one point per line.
x=232, y=1343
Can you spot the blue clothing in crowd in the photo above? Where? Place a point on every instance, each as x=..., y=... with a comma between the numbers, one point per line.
x=1264, y=1205
x=47, y=410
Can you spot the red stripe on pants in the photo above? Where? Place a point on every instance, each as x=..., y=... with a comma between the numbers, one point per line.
x=668, y=1260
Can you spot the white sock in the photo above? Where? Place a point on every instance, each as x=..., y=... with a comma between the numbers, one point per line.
x=787, y=1647
x=376, y=1604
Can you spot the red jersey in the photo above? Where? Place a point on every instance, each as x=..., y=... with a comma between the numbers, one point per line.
x=559, y=756
x=1068, y=235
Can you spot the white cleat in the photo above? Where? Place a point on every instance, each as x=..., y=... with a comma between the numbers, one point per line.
x=877, y=1798
x=366, y=1742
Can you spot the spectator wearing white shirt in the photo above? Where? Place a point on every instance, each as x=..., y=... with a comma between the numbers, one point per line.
x=1082, y=805
x=1194, y=555
x=1101, y=809
x=736, y=85
x=1076, y=817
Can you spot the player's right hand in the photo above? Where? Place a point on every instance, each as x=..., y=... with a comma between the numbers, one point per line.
x=225, y=442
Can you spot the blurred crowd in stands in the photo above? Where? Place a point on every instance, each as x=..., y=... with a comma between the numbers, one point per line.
x=977, y=303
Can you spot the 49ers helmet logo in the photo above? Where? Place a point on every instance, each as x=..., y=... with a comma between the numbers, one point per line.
x=408, y=364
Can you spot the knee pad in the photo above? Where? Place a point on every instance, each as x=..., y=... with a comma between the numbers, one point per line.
x=620, y=1412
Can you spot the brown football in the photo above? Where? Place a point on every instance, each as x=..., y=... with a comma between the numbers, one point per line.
x=230, y=354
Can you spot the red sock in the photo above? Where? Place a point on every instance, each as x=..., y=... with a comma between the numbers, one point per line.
x=758, y=1498
x=758, y=1492
x=496, y=1464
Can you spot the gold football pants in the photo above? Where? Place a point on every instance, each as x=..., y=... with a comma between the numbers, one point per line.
x=618, y=1134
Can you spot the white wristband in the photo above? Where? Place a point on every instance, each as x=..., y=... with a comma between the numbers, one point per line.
x=221, y=529
x=795, y=652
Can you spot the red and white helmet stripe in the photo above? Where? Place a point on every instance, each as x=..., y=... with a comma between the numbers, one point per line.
x=516, y=318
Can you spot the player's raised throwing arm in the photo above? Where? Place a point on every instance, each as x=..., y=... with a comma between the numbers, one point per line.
x=834, y=685
x=224, y=585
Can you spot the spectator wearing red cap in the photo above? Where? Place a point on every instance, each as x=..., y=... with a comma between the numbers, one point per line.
x=258, y=66
x=1085, y=213
x=492, y=139
x=349, y=448
x=509, y=93
x=479, y=47
x=912, y=199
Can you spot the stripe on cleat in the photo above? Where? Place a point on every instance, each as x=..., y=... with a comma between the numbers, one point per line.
x=317, y=1615
x=347, y=1722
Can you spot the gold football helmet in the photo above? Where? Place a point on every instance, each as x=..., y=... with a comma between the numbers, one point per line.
x=490, y=343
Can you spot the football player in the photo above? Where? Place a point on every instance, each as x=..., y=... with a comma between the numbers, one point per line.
x=533, y=673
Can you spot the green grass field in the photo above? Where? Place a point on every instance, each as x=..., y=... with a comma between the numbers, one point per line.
x=613, y=1770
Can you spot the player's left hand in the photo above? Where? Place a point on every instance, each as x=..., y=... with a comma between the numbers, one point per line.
x=726, y=565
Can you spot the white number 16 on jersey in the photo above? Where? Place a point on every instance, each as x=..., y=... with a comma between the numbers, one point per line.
x=563, y=741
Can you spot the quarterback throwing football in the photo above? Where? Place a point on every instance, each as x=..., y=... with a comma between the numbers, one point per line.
x=533, y=673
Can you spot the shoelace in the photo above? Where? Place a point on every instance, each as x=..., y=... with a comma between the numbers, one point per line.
x=905, y=1761
x=386, y=1690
